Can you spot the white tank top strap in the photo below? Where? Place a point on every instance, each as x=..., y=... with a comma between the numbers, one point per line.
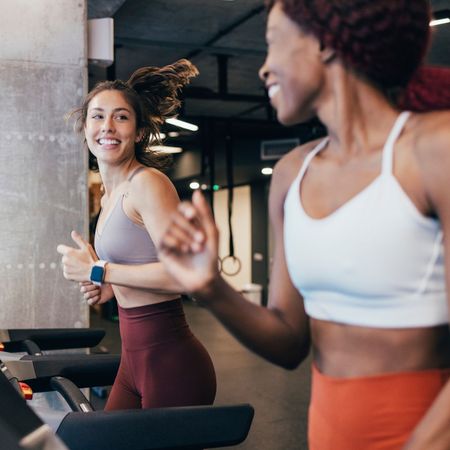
x=320, y=146
x=388, y=150
x=374, y=262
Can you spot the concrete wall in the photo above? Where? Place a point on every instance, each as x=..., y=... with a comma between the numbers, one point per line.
x=43, y=171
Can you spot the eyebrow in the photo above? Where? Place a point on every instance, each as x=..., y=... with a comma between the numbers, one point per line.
x=114, y=110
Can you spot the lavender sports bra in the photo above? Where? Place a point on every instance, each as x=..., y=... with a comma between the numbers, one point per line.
x=122, y=241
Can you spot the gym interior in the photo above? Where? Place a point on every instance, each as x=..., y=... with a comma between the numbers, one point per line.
x=226, y=145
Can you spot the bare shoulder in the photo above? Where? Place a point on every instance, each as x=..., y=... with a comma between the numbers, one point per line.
x=431, y=146
x=431, y=135
x=289, y=165
x=151, y=194
x=284, y=173
x=151, y=181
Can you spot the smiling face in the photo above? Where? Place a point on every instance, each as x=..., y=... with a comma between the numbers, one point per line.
x=293, y=70
x=110, y=128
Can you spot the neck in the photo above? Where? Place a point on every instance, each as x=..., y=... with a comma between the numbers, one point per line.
x=357, y=115
x=113, y=176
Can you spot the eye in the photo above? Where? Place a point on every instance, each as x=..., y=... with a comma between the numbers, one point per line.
x=121, y=117
x=96, y=116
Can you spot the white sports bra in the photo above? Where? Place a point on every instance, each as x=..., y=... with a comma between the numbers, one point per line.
x=376, y=261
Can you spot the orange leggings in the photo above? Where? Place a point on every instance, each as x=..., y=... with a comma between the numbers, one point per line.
x=369, y=413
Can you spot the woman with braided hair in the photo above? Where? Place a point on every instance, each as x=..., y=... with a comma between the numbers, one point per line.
x=361, y=222
x=162, y=362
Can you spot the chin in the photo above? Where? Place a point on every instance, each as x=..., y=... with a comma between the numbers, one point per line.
x=294, y=119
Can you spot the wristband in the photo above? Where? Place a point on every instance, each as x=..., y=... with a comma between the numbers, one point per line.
x=98, y=272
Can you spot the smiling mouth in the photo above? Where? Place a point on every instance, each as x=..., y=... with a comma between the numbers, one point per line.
x=104, y=141
x=273, y=90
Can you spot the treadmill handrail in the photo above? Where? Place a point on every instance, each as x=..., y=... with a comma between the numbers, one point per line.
x=83, y=370
x=55, y=338
x=71, y=394
x=158, y=428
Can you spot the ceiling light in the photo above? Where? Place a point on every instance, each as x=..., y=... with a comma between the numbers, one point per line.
x=267, y=171
x=166, y=149
x=194, y=185
x=182, y=124
x=159, y=136
x=440, y=17
x=173, y=134
x=436, y=22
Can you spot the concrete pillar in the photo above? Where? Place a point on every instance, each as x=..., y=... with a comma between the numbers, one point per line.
x=43, y=169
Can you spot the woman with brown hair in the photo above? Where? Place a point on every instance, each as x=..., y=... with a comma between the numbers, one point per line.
x=162, y=363
x=361, y=222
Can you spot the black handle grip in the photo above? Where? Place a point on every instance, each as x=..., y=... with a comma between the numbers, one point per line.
x=58, y=338
x=71, y=394
x=158, y=428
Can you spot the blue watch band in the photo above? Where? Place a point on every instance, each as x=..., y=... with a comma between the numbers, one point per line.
x=98, y=272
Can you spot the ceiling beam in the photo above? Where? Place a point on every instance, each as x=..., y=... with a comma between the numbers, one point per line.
x=227, y=30
x=206, y=94
x=135, y=42
x=98, y=9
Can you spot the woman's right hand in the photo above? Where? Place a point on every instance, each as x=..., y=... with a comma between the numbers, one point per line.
x=189, y=247
x=96, y=295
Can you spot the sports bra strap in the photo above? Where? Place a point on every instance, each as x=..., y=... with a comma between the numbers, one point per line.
x=135, y=172
x=388, y=150
x=320, y=146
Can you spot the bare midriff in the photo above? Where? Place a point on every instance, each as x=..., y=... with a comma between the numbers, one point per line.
x=132, y=297
x=351, y=351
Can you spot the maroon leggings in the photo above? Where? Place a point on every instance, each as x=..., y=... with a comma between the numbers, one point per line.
x=162, y=363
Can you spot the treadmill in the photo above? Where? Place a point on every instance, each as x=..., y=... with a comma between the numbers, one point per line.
x=82, y=428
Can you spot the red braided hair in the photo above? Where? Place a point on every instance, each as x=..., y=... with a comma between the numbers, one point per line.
x=383, y=40
x=428, y=90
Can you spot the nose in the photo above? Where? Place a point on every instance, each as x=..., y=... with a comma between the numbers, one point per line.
x=263, y=72
x=108, y=124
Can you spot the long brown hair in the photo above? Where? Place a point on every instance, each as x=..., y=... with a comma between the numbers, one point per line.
x=152, y=92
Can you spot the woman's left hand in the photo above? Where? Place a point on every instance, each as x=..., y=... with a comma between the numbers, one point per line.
x=77, y=262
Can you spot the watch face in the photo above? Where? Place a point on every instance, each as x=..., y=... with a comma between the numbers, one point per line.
x=97, y=274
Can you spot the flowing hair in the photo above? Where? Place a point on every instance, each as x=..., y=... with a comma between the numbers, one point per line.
x=152, y=92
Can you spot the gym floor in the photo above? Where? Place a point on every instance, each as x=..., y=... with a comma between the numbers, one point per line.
x=280, y=397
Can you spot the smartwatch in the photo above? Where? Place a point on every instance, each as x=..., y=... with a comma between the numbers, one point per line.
x=98, y=272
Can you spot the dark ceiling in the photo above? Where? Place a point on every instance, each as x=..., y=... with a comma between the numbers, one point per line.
x=225, y=40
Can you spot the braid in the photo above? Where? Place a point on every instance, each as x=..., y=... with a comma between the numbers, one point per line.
x=428, y=90
x=383, y=40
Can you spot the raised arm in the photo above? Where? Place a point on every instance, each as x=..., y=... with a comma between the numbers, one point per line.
x=280, y=332
x=152, y=199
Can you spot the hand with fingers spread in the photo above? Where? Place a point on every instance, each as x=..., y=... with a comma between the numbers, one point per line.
x=189, y=247
x=77, y=262
x=96, y=295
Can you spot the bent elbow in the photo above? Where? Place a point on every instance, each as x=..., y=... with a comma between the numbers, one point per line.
x=291, y=365
x=292, y=360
